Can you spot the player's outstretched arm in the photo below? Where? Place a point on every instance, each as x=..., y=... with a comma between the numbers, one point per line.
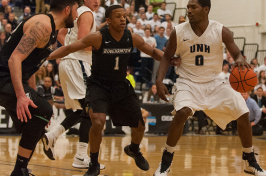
x=229, y=42
x=139, y=43
x=93, y=39
x=164, y=65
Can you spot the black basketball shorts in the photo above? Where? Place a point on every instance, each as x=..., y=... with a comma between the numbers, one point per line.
x=117, y=99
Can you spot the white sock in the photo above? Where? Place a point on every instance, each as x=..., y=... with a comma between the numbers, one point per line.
x=169, y=148
x=82, y=149
x=248, y=150
x=58, y=131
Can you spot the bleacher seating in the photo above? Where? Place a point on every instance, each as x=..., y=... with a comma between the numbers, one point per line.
x=250, y=51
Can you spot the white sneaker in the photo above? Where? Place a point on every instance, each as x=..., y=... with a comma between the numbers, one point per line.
x=251, y=166
x=164, y=166
x=48, y=141
x=82, y=162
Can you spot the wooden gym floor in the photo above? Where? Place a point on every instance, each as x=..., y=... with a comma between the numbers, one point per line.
x=195, y=155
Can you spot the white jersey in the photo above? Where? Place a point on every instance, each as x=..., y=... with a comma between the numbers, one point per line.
x=72, y=36
x=202, y=56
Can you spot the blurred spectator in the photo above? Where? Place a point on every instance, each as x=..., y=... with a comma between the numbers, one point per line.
x=4, y=23
x=50, y=71
x=99, y=16
x=56, y=72
x=40, y=8
x=156, y=30
x=8, y=30
x=168, y=19
x=3, y=6
x=261, y=101
x=48, y=92
x=163, y=11
x=133, y=11
x=181, y=19
x=202, y=121
x=40, y=75
x=26, y=14
x=151, y=95
x=155, y=21
x=12, y=20
x=2, y=39
x=1, y=17
x=167, y=33
x=156, y=4
x=138, y=29
x=143, y=20
x=8, y=10
x=46, y=6
x=225, y=74
x=256, y=65
x=110, y=2
x=161, y=41
x=254, y=114
x=124, y=4
x=132, y=23
x=131, y=78
x=146, y=60
x=262, y=77
x=263, y=66
x=149, y=13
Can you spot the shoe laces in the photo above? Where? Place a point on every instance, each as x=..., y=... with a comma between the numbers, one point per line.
x=166, y=161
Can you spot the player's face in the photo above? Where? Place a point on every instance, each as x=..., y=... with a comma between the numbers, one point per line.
x=69, y=22
x=195, y=11
x=92, y=4
x=118, y=19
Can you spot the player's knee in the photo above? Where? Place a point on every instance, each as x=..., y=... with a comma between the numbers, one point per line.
x=182, y=114
x=243, y=119
x=44, y=111
x=98, y=124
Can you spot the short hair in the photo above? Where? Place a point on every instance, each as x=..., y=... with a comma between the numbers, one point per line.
x=59, y=5
x=259, y=88
x=161, y=27
x=110, y=9
x=205, y=3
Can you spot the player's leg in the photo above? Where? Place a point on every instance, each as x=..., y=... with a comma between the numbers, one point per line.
x=32, y=130
x=245, y=133
x=174, y=134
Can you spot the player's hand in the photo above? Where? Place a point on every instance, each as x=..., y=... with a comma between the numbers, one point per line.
x=23, y=108
x=252, y=123
x=241, y=64
x=162, y=90
x=175, y=61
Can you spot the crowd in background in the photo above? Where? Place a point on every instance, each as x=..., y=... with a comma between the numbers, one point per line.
x=152, y=21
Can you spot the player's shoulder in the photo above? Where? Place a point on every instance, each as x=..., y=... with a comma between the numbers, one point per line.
x=83, y=9
x=41, y=22
x=214, y=23
x=182, y=26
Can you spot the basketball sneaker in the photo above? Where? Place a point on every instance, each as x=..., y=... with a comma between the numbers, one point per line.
x=164, y=166
x=48, y=141
x=140, y=161
x=251, y=166
x=82, y=162
x=94, y=170
x=22, y=172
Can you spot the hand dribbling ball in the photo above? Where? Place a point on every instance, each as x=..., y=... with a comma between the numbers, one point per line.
x=243, y=81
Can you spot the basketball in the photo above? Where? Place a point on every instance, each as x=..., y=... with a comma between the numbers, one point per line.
x=243, y=81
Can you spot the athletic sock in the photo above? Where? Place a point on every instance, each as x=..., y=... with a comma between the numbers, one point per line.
x=248, y=150
x=94, y=158
x=58, y=131
x=21, y=163
x=169, y=148
x=134, y=147
x=82, y=149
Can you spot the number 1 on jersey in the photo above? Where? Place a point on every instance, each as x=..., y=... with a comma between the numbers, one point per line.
x=116, y=63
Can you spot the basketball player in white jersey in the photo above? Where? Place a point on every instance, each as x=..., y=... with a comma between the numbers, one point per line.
x=73, y=70
x=199, y=44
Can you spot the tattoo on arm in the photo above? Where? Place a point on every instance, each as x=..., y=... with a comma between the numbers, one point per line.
x=37, y=33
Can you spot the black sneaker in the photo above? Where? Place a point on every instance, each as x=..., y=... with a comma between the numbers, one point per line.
x=140, y=161
x=165, y=164
x=251, y=166
x=94, y=170
x=21, y=172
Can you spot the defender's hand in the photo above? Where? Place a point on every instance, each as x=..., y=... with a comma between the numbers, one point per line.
x=162, y=90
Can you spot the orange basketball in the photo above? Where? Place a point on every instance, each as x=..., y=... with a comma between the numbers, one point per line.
x=243, y=81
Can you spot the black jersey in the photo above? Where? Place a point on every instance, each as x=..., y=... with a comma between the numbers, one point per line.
x=110, y=62
x=33, y=62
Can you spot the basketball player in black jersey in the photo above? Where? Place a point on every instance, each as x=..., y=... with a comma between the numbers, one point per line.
x=25, y=51
x=108, y=90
